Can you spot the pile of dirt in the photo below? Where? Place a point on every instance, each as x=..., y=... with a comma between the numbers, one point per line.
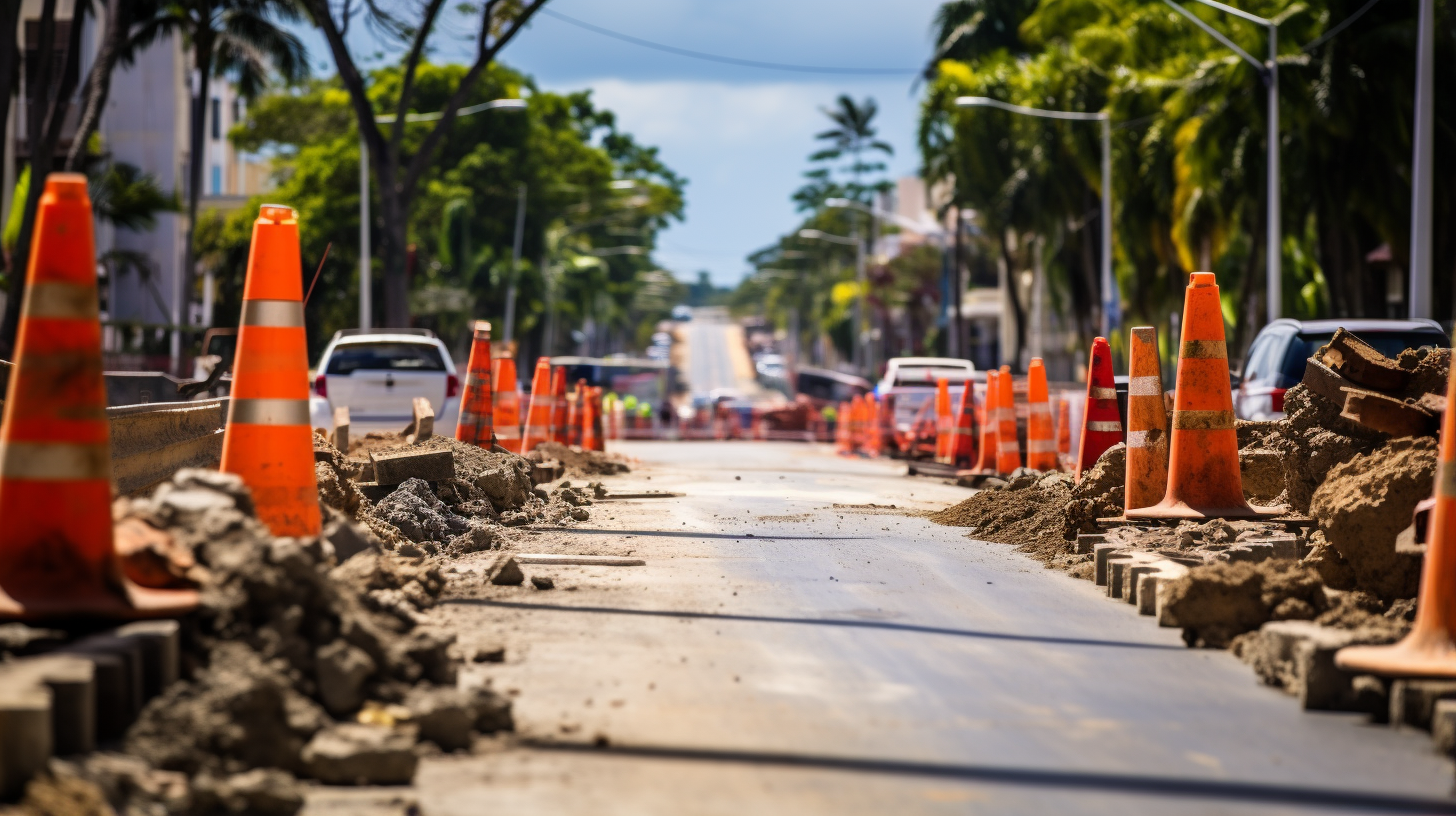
x=579, y=463
x=1099, y=493
x=1430, y=371
x=413, y=521
x=1027, y=512
x=1311, y=440
x=1362, y=506
x=1216, y=602
x=287, y=642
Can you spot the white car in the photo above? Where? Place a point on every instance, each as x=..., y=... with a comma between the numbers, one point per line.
x=378, y=374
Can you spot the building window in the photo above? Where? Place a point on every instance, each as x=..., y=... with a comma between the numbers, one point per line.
x=237, y=110
x=216, y=119
x=217, y=179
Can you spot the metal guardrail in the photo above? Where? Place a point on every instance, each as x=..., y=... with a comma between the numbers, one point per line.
x=150, y=442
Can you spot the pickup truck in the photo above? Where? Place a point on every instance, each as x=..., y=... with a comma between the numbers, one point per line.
x=911, y=382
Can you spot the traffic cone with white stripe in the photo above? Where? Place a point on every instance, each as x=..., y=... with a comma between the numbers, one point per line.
x=574, y=400
x=1101, y=424
x=560, y=411
x=1008, y=447
x=57, y=551
x=1147, y=422
x=963, y=436
x=990, y=431
x=1064, y=433
x=269, y=441
x=1203, y=458
x=1041, y=448
x=1430, y=648
x=538, y=415
x=943, y=420
x=506, y=404
x=476, y=406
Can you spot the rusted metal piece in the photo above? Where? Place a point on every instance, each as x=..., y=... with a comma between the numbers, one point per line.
x=1386, y=414
x=1355, y=360
x=1322, y=380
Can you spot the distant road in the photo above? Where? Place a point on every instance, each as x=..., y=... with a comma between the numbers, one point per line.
x=710, y=355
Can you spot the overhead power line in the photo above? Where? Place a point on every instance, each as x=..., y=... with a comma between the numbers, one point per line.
x=683, y=52
x=1329, y=35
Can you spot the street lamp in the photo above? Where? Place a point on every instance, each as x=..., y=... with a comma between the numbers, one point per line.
x=1270, y=72
x=365, y=305
x=1423, y=170
x=1110, y=317
x=860, y=281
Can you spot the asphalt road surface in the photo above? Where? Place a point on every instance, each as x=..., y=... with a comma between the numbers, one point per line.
x=710, y=365
x=782, y=654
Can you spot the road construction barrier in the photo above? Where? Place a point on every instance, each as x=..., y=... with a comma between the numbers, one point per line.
x=1147, y=422
x=1041, y=447
x=1203, y=459
x=269, y=441
x=506, y=406
x=1430, y=648
x=1101, y=423
x=57, y=552
x=151, y=442
x=476, y=406
x=538, y=415
x=1008, y=447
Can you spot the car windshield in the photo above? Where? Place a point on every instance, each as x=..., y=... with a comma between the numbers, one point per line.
x=353, y=357
x=1391, y=344
x=929, y=374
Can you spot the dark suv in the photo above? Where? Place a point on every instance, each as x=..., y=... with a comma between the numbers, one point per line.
x=1276, y=360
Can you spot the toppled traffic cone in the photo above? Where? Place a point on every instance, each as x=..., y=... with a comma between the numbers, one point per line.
x=476, y=406
x=1203, y=458
x=1008, y=447
x=1101, y=424
x=1041, y=448
x=963, y=435
x=1147, y=422
x=560, y=412
x=1430, y=648
x=57, y=551
x=506, y=407
x=990, y=430
x=268, y=441
x=538, y=415
x=944, y=421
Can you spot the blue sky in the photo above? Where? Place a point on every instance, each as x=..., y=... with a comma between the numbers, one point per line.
x=740, y=135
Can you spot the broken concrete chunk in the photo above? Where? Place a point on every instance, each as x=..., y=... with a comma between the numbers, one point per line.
x=348, y=540
x=1299, y=656
x=504, y=571
x=355, y=754
x=445, y=716
x=1413, y=701
x=261, y=791
x=1354, y=359
x=394, y=467
x=1443, y=726
x=342, y=670
x=1322, y=380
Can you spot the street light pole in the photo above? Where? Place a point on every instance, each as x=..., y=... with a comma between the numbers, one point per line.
x=1273, y=237
x=1111, y=318
x=364, y=256
x=1423, y=170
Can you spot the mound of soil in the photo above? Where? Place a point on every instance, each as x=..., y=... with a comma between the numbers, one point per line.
x=1099, y=494
x=1311, y=440
x=1216, y=602
x=1026, y=512
x=579, y=463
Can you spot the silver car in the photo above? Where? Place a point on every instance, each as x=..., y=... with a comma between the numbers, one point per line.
x=378, y=374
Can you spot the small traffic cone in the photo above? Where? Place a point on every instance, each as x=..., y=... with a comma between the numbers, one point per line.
x=1430, y=648
x=476, y=406
x=1064, y=433
x=856, y=417
x=1203, y=458
x=57, y=550
x=1101, y=424
x=990, y=430
x=573, y=414
x=841, y=429
x=560, y=411
x=873, y=434
x=1147, y=422
x=591, y=418
x=538, y=415
x=269, y=441
x=1041, y=448
x=506, y=405
x=1008, y=447
x=963, y=435
x=943, y=420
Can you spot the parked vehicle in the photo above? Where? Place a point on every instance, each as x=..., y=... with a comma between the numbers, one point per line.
x=378, y=374
x=824, y=387
x=1276, y=359
x=911, y=381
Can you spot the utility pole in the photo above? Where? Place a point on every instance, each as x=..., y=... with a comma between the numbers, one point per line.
x=1423, y=169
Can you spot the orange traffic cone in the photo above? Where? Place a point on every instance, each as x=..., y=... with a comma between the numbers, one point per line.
x=1064, y=433
x=1008, y=447
x=963, y=435
x=990, y=430
x=1430, y=648
x=591, y=417
x=560, y=411
x=887, y=423
x=573, y=414
x=268, y=441
x=1147, y=422
x=506, y=405
x=538, y=415
x=1101, y=424
x=57, y=553
x=841, y=430
x=1041, y=448
x=943, y=420
x=476, y=406
x=856, y=424
x=1203, y=458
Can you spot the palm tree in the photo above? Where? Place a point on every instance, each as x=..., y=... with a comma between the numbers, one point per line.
x=853, y=135
x=241, y=40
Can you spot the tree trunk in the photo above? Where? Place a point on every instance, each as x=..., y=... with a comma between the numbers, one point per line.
x=98, y=82
x=394, y=250
x=1017, y=315
x=202, y=46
